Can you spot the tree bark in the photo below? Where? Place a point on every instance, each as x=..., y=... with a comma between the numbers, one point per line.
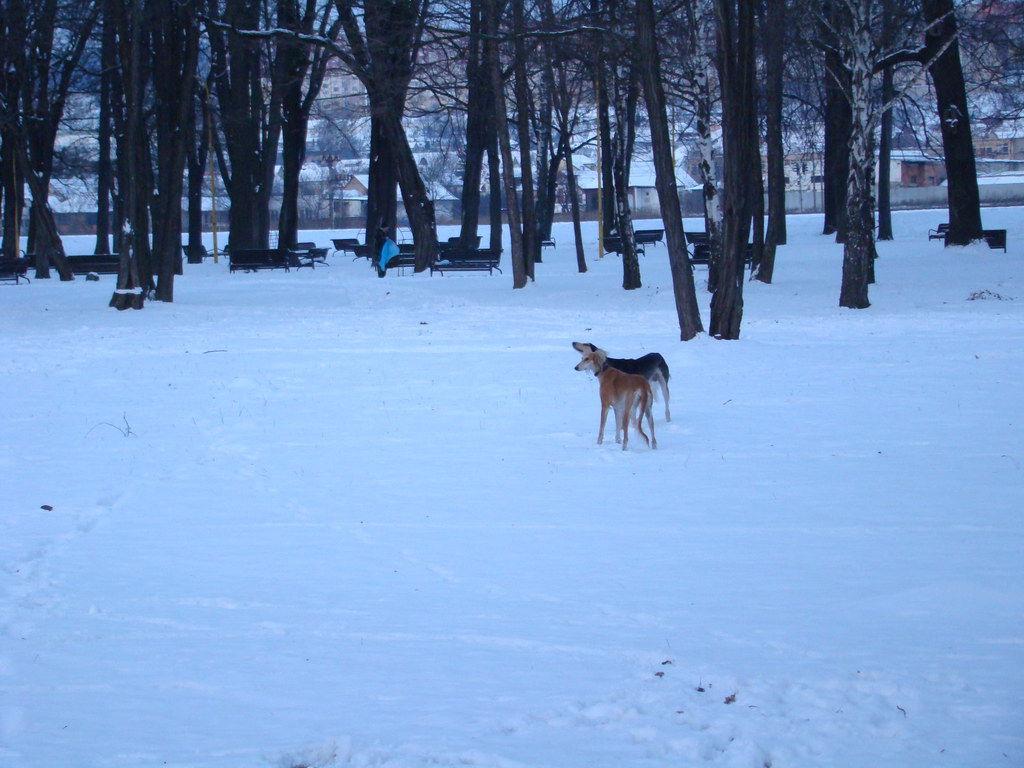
x=175, y=46
x=773, y=36
x=858, y=245
x=951, y=99
x=515, y=222
x=521, y=91
x=687, y=311
x=700, y=31
x=478, y=123
x=105, y=167
x=835, y=163
x=737, y=52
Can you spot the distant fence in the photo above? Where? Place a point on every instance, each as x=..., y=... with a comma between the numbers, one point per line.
x=809, y=201
x=645, y=206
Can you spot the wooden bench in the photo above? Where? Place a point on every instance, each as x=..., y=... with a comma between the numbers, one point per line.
x=453, y=243
x=649, y=236
x=360, y=251
x=477, y=260
x=549, y=243
x=14, y=270
x=99, y=263
x=253, y=259
x=613, y=244
x=309, y=255
x=701, y=250
x=996, y=238
x=350, y=245
x=403, y=260
x=197, y=252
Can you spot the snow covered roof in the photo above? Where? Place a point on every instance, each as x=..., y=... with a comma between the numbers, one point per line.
x=641, y=175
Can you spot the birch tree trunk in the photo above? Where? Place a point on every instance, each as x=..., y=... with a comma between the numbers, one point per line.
x=701, y=27
x=859, y=246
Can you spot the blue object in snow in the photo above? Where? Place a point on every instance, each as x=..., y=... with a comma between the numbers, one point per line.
x=389, y=249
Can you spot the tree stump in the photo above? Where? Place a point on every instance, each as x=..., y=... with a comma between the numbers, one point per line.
x=127, y=299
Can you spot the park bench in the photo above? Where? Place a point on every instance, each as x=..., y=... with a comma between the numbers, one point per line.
x=452, y=243
x=350, y=245
x=613, y=244
x=701, y=250
x=361, y=251
x=996, y=238
x=253, y=259
x=476, y=260
x=198, y=252
x=99, y=263
x=14, y=270
x=649, y=236
x=309, y=255
x=403, y=260
x=549, y=243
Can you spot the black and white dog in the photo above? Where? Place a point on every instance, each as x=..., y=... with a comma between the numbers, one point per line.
x=651, y=366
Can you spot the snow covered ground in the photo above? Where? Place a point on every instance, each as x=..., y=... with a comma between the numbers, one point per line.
x=323, y=519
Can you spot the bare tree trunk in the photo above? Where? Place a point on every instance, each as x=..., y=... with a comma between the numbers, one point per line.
x=515, y=221
x=737, y=52
x=521, y=91
x=478, y=123
x=700, y=27
x=130, y=292
x=574, y=204
x=773, y=34
x=885, y=129
x=175, y=46
x=836, y=166
x=199, y=152
x=884, y=159
x=105, y=167
x=951, y=97
x=858, y=247
x=250, y=121
x=685, y=293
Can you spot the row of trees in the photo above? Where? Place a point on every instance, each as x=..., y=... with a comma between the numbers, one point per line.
x=178, y=85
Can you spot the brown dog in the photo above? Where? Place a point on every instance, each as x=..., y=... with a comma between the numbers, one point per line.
x=623, y=392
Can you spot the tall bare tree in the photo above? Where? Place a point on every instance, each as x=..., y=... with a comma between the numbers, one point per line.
x=665, y=173
x=384, y=40
x=737, y=75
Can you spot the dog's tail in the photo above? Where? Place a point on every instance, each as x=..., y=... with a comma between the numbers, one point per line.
x=643, y=399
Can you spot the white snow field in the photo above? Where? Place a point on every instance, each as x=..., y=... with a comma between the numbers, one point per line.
x=319, y=518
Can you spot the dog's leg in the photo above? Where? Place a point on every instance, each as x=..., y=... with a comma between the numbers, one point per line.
x=626, y=406
x=664, y=393
x=604, y=417
x=650, y=422
x=618, y=422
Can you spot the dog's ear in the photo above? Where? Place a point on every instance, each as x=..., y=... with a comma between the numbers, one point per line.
x=583, y=347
